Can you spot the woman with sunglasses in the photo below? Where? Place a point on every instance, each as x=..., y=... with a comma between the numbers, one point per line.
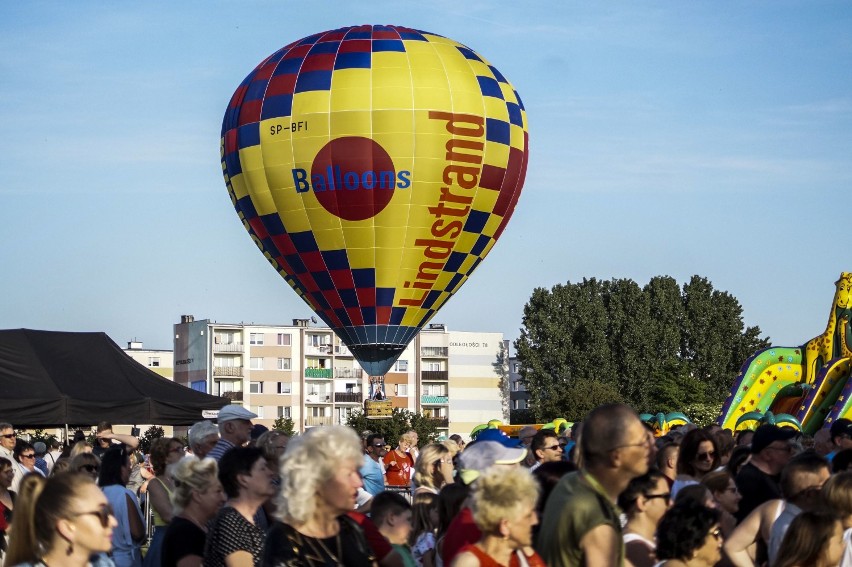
x=697, y=457
x=25, y=458
x=87, y=463
x=115, y=471
x=689, y=536
x=165, y=453
x=645, y=500
x=433, y=469
x=63, y=520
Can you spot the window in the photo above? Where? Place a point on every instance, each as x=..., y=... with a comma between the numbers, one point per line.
x=256, y=363
x=153, y=361
x=255, y=387
x=199, y=386
x=283, y=339
x=402, y=390
x=285, y=387
x=433, y=366
x=255, y=338
x=258, y=410
x=350, y=388
x=400, y=366
x=284, y=363
x=284, y=411
x=517, y=368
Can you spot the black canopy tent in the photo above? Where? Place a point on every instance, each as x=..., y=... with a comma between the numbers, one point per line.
x=51, y=379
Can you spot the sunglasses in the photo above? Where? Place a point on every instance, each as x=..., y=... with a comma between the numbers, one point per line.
x=176, y=450
x=91, y=469
x=378, y=444
x=30, y=456
x=103, y=514
x=665, y=496
x=710, y=455
x=552, y=447
x=9, y=435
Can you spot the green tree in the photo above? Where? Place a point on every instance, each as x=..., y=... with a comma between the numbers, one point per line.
x=392, y=428
x=659, y=347
x=153, y=432
x=285, y=425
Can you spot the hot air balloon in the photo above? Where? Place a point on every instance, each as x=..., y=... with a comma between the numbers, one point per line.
x=375, y=167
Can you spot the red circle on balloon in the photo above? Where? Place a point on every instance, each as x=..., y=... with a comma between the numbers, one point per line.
x=353, y=178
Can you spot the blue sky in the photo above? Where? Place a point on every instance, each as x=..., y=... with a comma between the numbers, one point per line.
x=677, y=138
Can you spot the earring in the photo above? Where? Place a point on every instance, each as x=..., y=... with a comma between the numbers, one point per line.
x=70, y=549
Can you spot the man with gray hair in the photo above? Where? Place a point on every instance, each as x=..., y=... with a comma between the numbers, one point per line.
x=202, y=437
x=234, y=430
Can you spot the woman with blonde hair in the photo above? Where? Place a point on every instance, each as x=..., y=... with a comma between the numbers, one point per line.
x=80, y=447
x=197, y=497
x=63, y=520
x=433, y=469
x=399, y=464
x=503, y=503
x=319, y=485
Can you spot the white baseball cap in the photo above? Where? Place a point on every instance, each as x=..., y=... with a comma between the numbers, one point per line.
x=234, y=411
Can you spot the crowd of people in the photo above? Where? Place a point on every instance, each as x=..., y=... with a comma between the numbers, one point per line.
x=605, y=492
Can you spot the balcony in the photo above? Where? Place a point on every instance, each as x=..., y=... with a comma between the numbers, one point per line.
x=442, y=422
x=233, y=396
x=433, y=351
x=228, y=347
x=318, y=398
x=318, y=373
x=434, y=375
x=353, y=373
x=347, y=398
x=342, y=350
x=231, y=371
x=313, y=421
x=434, y=400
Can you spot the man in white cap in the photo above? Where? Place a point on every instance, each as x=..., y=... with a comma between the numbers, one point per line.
x=234, y=430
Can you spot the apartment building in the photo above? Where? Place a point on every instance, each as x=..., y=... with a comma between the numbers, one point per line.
x=304, y=372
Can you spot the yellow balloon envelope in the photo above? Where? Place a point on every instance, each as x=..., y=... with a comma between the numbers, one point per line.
x=375, y=167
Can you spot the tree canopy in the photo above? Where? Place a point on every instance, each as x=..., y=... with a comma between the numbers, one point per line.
x=391, y=429
x=660, y=347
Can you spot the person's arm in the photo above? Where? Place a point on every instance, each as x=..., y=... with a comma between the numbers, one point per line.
x=740, y=546
x=129, y=440
x=190, y=561
x=137, y=527
x=601, y=546
x=240, y=558
x=466, y=559
x=160, y=500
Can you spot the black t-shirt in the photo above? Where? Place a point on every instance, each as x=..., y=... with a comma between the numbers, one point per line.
x=756, y=488
x=285, y=546
x=182, y=538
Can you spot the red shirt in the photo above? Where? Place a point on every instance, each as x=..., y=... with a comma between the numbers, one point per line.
x=398, y=474
x=486, y=560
